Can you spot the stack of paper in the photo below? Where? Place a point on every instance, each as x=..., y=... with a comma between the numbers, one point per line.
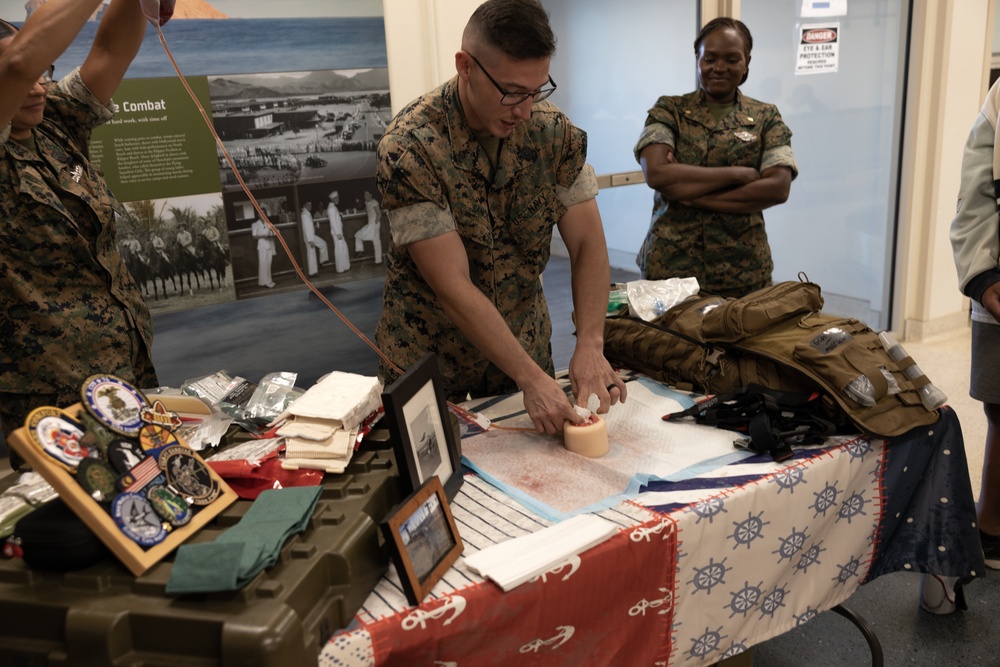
x=321, y=426
x=521, y=559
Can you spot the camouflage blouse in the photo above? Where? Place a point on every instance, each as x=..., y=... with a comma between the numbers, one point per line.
x=435, y=177
x=727, y=252
x=69, y=305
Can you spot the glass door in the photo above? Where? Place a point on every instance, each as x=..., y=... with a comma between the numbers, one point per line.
x=839, y=223
x=838, y=226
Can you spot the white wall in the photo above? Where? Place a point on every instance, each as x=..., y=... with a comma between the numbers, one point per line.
x=948, y=69
x=421, y=38
x=996, y=33
x=606, y=86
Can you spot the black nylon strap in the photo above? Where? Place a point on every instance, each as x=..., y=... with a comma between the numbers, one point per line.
x=773, y=420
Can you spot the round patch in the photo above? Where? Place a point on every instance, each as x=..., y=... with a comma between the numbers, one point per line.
x=154, y=436
x=115, y=402
x=138, y=520
x=98, y=479
x=188, y=475
x=123, y=455
x=58, y=436
x=169, y=505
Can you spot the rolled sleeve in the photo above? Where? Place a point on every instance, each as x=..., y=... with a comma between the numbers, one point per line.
x=412, y=196
x=419, y=222
x=654, y=133
x=584, y=188
x=780, y=156
x=572, y=158
x=73, y=86
x=406, y=175
x=777, y=141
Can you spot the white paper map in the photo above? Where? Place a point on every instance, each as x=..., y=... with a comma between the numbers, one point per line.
x=640, y=442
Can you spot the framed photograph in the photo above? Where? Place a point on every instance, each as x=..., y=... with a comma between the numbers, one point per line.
x=421, y=429
x=423, y=539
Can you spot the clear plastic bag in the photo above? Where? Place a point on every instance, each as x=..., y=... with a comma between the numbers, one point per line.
x=273, y=394
x=863, y=392
x=230, y=394
x=648, y=299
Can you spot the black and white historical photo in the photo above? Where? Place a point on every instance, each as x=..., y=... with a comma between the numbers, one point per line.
x=300, y=127
x=334, y=230
x=427, y=438
x=177, y=250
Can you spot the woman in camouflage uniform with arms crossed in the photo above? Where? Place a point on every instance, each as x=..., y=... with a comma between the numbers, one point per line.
x=70, y=307
x=716, y=159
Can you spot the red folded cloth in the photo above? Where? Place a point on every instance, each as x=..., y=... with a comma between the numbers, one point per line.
x=251, y=478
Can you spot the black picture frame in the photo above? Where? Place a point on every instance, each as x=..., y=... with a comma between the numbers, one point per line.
x=421, y=428
x=423, y=539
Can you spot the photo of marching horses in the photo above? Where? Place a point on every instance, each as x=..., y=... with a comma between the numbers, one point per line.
x=177, y=251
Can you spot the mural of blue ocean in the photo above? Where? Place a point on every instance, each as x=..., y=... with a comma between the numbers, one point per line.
x=244, y=46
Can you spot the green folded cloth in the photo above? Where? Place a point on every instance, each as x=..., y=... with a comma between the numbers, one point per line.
x=247, y=548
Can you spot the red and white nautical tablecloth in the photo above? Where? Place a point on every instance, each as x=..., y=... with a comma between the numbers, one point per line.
x=703, y=565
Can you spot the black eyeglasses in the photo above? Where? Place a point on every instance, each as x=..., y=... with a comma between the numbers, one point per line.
x=46, y=77
x=509, y=99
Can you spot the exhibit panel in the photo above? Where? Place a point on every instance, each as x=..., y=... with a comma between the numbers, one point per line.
x=298, y=97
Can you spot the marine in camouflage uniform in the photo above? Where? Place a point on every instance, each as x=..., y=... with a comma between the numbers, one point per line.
x=70, y=307
x=727, y=252
x=435, y=177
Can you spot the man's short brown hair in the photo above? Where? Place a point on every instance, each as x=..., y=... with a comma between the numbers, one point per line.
x=518, y=28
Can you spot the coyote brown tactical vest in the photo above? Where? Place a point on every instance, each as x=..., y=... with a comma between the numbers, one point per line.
x=778, y=338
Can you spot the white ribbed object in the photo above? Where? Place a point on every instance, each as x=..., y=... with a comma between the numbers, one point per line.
x=511, y=563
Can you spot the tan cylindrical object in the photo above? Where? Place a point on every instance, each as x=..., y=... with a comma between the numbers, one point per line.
x=589, y=438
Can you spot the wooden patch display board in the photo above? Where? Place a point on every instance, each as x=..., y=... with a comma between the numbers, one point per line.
x=136, y=558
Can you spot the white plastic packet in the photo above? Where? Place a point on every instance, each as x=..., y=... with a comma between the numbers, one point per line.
x=648, y=299
x=342, y=398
